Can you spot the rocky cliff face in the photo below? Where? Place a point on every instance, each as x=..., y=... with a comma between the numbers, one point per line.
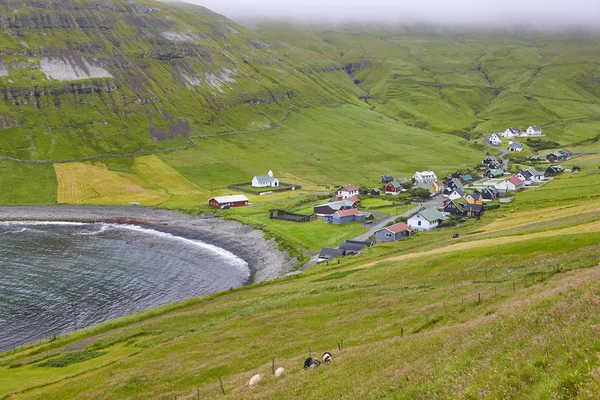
x=140, y=73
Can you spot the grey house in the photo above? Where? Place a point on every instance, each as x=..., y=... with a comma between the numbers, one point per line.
x=393, y=233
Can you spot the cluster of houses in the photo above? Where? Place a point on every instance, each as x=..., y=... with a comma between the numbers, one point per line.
x=495, y=139
x=427, y=180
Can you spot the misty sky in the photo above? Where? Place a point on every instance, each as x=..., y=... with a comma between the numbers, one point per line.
x=479, y=12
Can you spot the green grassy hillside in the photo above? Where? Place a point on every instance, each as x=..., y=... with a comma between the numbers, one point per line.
x=464, y=82
x=508, y=310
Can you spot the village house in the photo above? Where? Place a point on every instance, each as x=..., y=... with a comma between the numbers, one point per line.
x=513, y=184
x=452, y=184
x=327, y=210
x=345, y=216
x=473, y=198
x=489, y=193
x=554, y=170
x=224, y=202
x=512, y=133
x=494, y=173
x=467, y=178
x=348, y=191
x=456, y=194
x=327, y=254
x=393, y=233
x=474, y=210
x=375, y=192
x=396, y=186
x=533, y=130
x=495, y=139
x=424, y=176
x=530, y=175
x=559, y=155
x=426, y=219
x=386, y=178
x=434, y=187
x=515, y=146
x=489, y=159
x=354, y=246
x=265, y=181
x=455, y=207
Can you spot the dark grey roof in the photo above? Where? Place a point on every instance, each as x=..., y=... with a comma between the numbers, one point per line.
x=474, y=207
x=328, y=253
x=367, y=243
x=352, y=246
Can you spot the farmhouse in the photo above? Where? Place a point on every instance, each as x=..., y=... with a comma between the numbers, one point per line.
x=495, y=139
x=265, y=181
x=393, y=232
x=223, y=202
x=345, y=216
x=347, y=191
x=426, y=219
x=533, y=130
x=515, y=146
x=511, y=133
x=424, y=176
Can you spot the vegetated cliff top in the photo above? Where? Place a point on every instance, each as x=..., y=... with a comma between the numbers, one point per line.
x=89, y=77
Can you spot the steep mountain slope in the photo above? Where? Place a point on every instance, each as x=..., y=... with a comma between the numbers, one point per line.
x=80, y=78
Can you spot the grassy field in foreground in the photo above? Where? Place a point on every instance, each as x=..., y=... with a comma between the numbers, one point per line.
x=431, y=316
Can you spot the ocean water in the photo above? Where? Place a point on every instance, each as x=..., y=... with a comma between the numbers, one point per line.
x=58, y=277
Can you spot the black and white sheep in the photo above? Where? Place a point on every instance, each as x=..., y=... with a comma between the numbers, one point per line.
x=311, y=363
x=327, y=357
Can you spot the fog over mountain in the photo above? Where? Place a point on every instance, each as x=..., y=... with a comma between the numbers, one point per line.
x=550, y=14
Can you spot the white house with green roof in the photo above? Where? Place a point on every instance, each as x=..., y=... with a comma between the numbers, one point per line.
x=265, y=181
x=427, y=219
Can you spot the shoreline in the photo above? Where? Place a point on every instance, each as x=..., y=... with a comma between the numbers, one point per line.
x=265, y=261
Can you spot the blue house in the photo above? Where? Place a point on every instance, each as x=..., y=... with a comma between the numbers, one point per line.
x=345, y=216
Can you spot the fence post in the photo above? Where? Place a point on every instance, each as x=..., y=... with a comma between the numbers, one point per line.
x=222, y=388
x=478, y=298
x=273, y=367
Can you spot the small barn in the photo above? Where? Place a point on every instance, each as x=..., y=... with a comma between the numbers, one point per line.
x=327, y=254
x=223, y=202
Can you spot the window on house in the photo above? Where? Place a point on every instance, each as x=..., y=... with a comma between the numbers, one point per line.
x=419, y=223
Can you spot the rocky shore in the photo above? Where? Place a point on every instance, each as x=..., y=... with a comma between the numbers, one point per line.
x=264, y=259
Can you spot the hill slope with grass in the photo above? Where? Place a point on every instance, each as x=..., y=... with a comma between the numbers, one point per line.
x=508, y=310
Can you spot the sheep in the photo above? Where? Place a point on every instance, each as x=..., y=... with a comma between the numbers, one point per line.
x=255, y=380
x=327, y=357
x=311, y=363
x=280, y=371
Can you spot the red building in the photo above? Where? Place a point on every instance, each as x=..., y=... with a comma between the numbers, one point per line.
x=238, y=200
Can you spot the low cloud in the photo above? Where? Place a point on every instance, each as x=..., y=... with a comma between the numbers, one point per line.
x=537, y=14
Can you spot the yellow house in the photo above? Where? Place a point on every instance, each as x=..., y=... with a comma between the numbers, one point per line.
x=473, y=198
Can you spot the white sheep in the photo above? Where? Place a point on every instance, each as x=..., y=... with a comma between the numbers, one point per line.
x=255, y=380
x=280, y=371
